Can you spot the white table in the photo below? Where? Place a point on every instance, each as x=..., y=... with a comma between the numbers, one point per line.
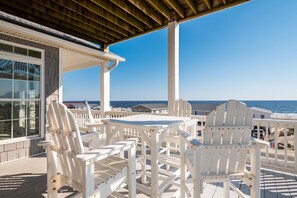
x=151, y=129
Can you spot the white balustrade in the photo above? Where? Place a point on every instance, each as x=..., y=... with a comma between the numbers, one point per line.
x=280, y=134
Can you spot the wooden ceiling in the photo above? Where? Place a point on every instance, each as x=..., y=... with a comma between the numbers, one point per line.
x=106, y=22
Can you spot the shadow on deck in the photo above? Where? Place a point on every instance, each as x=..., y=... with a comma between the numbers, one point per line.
x=27, y=178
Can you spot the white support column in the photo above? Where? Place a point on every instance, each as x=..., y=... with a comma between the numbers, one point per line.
x=173, y=64
x=60, y=75
x=104, y=89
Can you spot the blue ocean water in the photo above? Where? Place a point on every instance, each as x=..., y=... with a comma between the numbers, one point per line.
x=276, y=106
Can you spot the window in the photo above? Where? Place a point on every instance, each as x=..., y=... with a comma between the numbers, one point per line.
x=20, y=98
x=262, y=116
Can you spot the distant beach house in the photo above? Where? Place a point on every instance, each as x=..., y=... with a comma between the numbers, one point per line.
x=203, y=109
x=261, y=113
x=151, y=108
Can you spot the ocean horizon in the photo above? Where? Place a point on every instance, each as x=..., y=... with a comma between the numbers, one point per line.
x=276, y=106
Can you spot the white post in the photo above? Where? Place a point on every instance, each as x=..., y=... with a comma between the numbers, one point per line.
x=173, y=65
x=104, y=89
x=60, y=76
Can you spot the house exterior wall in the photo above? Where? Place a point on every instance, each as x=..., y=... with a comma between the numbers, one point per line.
x=19, y=148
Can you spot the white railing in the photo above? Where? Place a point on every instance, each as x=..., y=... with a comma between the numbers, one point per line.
x=280, y=133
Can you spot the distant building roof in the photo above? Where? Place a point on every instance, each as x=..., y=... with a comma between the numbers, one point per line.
x=153, y=106
x=261, y=110
x=203, y=109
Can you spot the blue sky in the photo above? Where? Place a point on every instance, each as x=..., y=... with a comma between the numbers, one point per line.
x=248, y=52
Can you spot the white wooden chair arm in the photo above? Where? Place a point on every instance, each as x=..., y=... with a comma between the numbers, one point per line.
x=259, y=142
x=104, y=152
x=189, y=140
x=45, y=143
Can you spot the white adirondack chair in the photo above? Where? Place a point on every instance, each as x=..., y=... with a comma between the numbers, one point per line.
x=222, y=154
x=95, y=173
x=182, y=108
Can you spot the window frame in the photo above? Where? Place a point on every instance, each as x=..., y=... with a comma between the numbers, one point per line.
x=27, y=59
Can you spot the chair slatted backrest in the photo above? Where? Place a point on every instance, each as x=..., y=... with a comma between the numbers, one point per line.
x=226, y=138
x=182, y=108
x=67, y=139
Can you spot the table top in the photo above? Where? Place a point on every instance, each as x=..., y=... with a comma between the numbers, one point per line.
x=150, y=121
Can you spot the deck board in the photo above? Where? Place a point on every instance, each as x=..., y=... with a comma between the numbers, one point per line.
x=27, y=178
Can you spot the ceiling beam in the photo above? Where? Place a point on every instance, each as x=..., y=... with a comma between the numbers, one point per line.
x=60, y=12
x=120, y=13
x=149, y=11
x=31, y=17
x=107, y=15
x=132, y=10
x=46, y=14
x=160, y=7
x=192, y=5
x=208, y=4
x=69, y=7
x=177, y=7
x=224, y=2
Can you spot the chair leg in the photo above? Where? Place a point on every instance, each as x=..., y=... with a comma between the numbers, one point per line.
x=255, y=170
x=132, y=171
x=226, y=189
x=52, y=191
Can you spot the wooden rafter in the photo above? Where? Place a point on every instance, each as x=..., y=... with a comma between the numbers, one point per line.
x=145, y=8
x=132, y=10
x=59, y=12
x=58, y=18
x=69, y=7
x=208, y=3
x=108, y=6
x=106, y=22
x=177, y=7
x=107, y=15
x=31, y=17
x=160, y=7
x=192, y=5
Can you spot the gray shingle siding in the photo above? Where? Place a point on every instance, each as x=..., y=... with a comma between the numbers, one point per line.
x=27, y=148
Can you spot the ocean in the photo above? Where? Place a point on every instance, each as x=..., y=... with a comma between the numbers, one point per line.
x=276, y=106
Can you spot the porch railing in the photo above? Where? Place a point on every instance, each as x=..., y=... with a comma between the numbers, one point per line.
x=280, y=134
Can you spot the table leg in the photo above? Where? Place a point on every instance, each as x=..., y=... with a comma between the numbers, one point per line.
x=108, y=134
x=143, y=166
x=154, y=164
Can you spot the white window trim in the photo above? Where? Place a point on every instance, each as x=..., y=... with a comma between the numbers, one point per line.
x=28, y=59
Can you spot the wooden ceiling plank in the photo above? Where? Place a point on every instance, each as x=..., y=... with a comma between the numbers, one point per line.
x=160, y=7
x=105, y=14
x=177, y=7
x=85, y=13
x=73, y=15
x=149, y=11
x=12, y=10
x=192, y=5
x=57, y=15
x=120, y=13
x=40, y=13
x=208, y=4
x=132, y=10
x=204, y=12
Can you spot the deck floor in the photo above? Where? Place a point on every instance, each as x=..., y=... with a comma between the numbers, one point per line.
x=27, y=178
